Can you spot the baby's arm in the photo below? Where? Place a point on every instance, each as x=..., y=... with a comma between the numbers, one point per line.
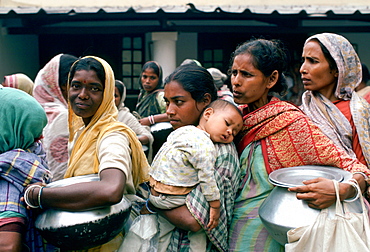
x=214, y=214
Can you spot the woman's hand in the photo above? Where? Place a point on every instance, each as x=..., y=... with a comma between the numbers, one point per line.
x=145, y=121
x=319, y=193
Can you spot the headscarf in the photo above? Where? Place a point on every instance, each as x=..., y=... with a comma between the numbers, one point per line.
x=23, y=119
x=19, y=81
x=47, y=91
x=325, y=114
x=84, y=155
x=219, y=77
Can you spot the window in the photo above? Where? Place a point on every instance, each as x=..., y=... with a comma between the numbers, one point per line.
x=213, y=58
x=132, y=61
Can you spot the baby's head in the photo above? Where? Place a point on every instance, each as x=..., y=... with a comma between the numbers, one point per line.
x=222, y=120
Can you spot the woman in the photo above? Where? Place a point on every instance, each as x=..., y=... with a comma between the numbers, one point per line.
x=187, y=92
x=276, y=134
x=150, y=107
x=51, y=92
x=100, y=145
x=124, y=115
x=22, y=161
x=330, y=72
x=19, y=81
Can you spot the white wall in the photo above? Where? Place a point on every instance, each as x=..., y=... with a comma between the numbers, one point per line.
x=19, y=54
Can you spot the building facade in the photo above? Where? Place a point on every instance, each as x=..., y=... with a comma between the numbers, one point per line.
x=127, y=35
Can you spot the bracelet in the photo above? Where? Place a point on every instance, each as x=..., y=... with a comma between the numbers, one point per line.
x=214, y=207
x=353, y=183
x=151, y=119
x=147, y=207
x=366, y=178
x=26, y=195
x=39, y=196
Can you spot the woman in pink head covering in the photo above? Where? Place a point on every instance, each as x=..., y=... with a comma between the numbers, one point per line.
x=50, y=91
x=19, y=81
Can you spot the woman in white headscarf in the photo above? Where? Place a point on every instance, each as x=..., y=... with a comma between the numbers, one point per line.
x=124, y=115
x=330, y=72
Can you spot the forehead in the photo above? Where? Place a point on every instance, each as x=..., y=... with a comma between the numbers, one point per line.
x=149, y=71
x=174, y=90
x=313, y=47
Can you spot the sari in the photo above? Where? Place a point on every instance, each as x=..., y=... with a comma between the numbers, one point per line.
x=227, y=175
x=276, y=136
x=325, y=114
x=48, y=93
x=84, y=154
x=125, y=116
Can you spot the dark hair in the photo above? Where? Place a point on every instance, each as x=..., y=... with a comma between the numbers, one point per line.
x=65, y=63
x=365, y=73
x=88, y=64
x=157, y=70
x=194, y=79
x=268, y=56
x=120, y=86
x=222, y=104
x=327, y=55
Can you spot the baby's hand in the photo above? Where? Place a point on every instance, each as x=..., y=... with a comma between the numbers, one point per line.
x=214, y=215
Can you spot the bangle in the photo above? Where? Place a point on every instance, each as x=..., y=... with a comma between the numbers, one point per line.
x=39, y=196
x=147, y=207
x=151, y=119
x=366, y=178
x=353, y=183
x=26, y=196
x=214, y=207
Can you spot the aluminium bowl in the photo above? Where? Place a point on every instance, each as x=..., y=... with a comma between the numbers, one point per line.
x=83, y=229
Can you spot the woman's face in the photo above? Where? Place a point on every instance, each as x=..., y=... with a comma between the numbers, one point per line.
x=315, y=70
x=249, y=84
x=86, y=94
x=149, y=80
x=182, y=109
x=117, y=97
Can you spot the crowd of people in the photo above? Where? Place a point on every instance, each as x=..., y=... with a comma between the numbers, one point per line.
x=196, y=152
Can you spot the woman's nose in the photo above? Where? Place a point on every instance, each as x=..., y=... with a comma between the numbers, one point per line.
x=83, y=94
x=170, y=110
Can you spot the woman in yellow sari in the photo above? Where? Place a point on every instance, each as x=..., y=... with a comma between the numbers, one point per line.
x=100, y=145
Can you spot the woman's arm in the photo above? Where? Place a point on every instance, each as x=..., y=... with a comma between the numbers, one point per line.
x=84, y=196
x=157, y=118
x=320, y=193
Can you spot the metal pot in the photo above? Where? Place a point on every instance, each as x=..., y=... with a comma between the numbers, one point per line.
x=85, y=229
x=282, y=211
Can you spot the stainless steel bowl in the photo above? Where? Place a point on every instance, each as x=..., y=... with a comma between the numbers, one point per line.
x=85, y=229
x=282, y=211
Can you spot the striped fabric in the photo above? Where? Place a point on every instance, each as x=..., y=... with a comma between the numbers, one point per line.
x=227, y=174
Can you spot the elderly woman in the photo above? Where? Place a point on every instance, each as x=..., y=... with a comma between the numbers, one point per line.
x=276, y=135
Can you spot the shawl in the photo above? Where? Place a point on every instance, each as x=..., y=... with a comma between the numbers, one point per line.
x=19, y=81
x=227, y=175
x=148, y=104
x=47, y=91
x=84, y=155
x=19, y=168
x=125, y=116
x=325, y=114
x=289, y=138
